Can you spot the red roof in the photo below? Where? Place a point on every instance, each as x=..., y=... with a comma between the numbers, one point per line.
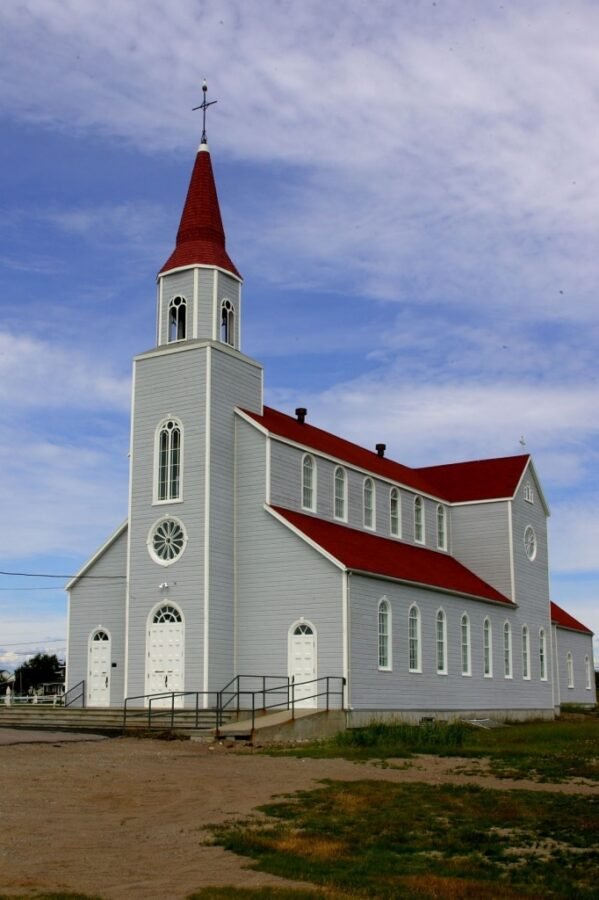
x=563, y=619
x=363, y=552
x=481, y=480
x=201, y=236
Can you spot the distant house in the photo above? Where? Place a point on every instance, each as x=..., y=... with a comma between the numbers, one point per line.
x=257, y=543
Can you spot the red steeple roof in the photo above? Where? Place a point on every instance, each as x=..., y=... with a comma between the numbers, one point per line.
x=201, y=236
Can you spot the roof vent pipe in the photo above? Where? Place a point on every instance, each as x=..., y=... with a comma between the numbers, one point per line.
x=380, y=449
x=301, y=413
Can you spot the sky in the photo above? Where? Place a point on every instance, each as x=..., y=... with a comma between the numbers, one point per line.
x=410, y=190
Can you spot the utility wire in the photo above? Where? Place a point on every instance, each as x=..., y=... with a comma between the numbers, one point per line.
x=46, y=575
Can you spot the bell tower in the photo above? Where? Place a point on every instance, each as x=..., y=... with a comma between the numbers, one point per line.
x=180, y=557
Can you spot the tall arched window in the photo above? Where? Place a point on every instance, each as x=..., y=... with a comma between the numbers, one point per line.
x=308, y=483
x=570, y=666
x=394, y=513
x=487, y=649
x=507, y=650
x=169, y=457
x=441, y=627
x=525, y=652
x=340, y=494
x=227, y=323
x=384, y=625
x=415, y=661
x=543, y=654
x=177, y=319
x=368, y=492
x=441, y=527
x=465, y=645
x=418, y=520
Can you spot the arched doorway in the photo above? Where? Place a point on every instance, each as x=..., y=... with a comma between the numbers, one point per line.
x=99, y=660
x=302, y=662
x=165, y=654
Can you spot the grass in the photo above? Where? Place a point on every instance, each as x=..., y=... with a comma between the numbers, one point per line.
x=385, y=840
x=264, y=893
x=541, y=751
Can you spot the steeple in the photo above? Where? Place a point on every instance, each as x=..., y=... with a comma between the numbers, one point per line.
x=201, y=236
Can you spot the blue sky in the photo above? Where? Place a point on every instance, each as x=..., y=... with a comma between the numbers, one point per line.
x=411, y=191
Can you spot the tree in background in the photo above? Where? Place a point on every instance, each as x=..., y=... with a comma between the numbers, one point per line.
x=41, y=669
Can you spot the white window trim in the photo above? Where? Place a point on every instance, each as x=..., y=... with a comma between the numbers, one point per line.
x=529, y=493
x=488, y=628
x=543, y=647
x=342, y=518
x=444, y=670
x=442, y=545
x=418, y=668
x=526, y=646
x=587, y=673
x=227, y=303
x=467, y=672
x=509, y=672
x=422, y=540
x=159, y=427
x=389, y=666
x=371, y=527
x=532, y=556
x=570, y=669
x=394, y=534
x=311, y=508
x=168, y=319
x=165, y=562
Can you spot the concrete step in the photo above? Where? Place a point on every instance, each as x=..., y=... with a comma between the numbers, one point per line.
x=105, y=721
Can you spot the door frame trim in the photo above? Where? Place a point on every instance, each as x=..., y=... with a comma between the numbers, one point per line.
x=90, y=642
x=301, y=621
x=165, y=601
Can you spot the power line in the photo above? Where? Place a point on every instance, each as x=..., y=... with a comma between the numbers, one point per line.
x=24, y=643
x=46, y=575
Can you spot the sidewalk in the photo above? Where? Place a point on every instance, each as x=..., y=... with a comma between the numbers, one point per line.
x=10, y=736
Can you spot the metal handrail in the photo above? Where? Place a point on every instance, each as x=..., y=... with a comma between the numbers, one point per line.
x=81, y=695
x=287, y=687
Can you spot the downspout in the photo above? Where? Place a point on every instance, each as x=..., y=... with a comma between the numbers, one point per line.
x=347, y=667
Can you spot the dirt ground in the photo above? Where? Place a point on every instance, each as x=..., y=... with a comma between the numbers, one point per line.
x=127, y=819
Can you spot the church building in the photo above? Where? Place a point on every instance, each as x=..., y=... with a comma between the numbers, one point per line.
x=257, y=544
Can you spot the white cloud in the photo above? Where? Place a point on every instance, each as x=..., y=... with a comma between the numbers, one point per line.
x=37, y=374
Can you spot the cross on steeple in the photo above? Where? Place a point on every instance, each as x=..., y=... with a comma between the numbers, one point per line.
x=204, y=106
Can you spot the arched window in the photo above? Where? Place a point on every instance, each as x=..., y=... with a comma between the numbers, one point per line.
x=587, y=672
x=418, y=520
x=177, y=319
x=525, y=652
x=441, y=624
x=368, y=492
x=340, y=494
x=308, y=483
x=465, y=644
x=528, y=493
x=570, y=666
x=100, y=636
x=169, y=457
x=166, y=613
x=394, y=513
x=441, y=527
x=415, y=661
x=507, y=650
x=384, y=634
x=542, y=654
x=227, y=323
x=487, y=649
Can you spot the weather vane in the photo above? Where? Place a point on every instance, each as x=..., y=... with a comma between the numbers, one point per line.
x=204, y=106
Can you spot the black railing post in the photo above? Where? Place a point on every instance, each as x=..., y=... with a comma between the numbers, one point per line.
x=238, y=685
x=172, y=709
x=253, y=710
x=293, y=697
x=264, y=692
x=150, y=712
x=197, y=705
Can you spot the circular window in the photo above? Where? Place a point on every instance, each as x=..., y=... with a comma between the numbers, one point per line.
x=166, y=541
x=530, y=542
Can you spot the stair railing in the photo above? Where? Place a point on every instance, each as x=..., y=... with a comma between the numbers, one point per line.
x=77, y=692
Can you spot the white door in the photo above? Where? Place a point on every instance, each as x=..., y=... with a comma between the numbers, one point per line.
x=98, y=685
x=165, y=656
x=302, y=664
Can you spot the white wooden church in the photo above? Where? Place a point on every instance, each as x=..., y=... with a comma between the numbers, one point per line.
x=259, y=544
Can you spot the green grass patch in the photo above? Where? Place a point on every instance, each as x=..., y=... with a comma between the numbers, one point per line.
x=385, y=840
x=262, y=893
x=544, y=751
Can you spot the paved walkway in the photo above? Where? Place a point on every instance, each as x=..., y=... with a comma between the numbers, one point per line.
x=10, y=736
